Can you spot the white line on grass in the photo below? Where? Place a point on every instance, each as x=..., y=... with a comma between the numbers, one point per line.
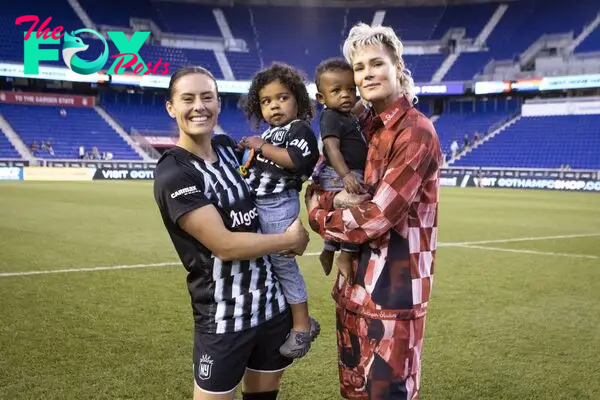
x=112, y=267
x=542, y=253
x=522, y=239
x=466, y=245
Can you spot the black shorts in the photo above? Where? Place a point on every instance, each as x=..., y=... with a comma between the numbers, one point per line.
x=220, y=360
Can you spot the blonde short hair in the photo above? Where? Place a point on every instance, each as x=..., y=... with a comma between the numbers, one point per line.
x=362, y=35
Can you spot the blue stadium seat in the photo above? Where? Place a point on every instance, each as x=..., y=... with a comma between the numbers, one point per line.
x=466, y=118
x=7, y=150
x=81, y=127
x=542, y=142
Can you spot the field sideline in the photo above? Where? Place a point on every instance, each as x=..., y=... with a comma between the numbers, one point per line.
x=93, y=302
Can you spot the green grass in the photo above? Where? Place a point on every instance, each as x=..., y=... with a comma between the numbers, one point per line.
x=501, y=325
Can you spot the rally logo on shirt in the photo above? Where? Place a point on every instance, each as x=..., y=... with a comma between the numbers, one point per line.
x=302, y=145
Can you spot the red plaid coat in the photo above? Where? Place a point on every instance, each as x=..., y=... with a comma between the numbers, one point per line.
x=398, y=227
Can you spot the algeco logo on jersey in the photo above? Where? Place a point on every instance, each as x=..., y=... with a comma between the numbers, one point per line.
x=240, y=218
x=128, y=56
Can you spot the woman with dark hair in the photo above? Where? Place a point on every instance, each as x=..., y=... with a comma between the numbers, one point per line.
x=241, y=316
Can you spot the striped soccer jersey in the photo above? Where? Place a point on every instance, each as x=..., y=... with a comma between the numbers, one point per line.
x=227, y=296
x=299, y=139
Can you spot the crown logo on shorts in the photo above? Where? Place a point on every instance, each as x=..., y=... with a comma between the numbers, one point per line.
x=206, y=359
x=205, y=367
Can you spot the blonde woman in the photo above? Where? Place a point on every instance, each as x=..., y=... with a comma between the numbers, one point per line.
x=382, y=304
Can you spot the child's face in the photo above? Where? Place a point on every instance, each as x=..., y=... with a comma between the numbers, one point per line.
x=277, y=104
x=337, y=90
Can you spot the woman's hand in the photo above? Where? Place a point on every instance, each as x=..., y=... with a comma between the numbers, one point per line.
x=351, y=184
x=344, y=199
x=299, y=237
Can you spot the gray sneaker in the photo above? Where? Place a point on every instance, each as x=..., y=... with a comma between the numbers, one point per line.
x=298, y=343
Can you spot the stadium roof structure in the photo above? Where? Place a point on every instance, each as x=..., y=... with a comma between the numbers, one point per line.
x=337, y=3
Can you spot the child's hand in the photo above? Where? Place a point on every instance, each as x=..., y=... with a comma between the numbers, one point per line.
x=240, y=146
x=252, y=142
x=351, y=184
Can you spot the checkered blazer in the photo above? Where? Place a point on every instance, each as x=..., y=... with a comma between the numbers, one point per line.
x=398, y=228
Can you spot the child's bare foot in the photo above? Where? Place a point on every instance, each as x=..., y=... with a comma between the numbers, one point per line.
x=326, y=259
x=344, y=264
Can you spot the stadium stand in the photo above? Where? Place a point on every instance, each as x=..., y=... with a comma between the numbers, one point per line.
x=80, y=127
x=305, y=45
x=145, y=113
x=542, y=142
x=7, y=150
x=467, y=117
x=268, y=38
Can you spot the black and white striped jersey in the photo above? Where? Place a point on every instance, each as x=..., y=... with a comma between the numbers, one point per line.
x=265, y=177
x=227, y=296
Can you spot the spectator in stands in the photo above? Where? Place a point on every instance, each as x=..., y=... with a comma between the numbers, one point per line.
x=95, y=154
x=466, y=142
x=345, y=148
x=381, y=309
x=287, y=154
x=82, y=153
x=33, y=148
x=47, y=145
x=475, y=138
x=454, y=148
x=63, y=112
x=241, y=317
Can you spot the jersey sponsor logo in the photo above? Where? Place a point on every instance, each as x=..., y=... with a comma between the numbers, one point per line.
x=184, y=192
x=262, y=159
x=205, y=367
x=302, y=145
x=240, y=218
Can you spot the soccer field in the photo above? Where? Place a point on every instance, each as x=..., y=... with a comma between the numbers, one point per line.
x=515, y=311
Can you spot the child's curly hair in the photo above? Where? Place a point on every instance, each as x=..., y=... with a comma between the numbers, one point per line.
x=291, y=78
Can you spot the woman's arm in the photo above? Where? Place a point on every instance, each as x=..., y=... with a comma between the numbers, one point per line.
x=206, y=226
x=411, y=162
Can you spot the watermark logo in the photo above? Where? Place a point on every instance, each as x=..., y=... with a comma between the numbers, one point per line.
x=128, y=49
x=74, y=45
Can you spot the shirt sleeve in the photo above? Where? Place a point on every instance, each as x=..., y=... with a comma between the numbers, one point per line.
x=178, y=193
x=303, y=148
x=330, y=125
x=411, y=162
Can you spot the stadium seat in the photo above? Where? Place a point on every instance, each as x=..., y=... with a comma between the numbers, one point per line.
x=7, y=150
x=542, y=142
x=80, y=127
